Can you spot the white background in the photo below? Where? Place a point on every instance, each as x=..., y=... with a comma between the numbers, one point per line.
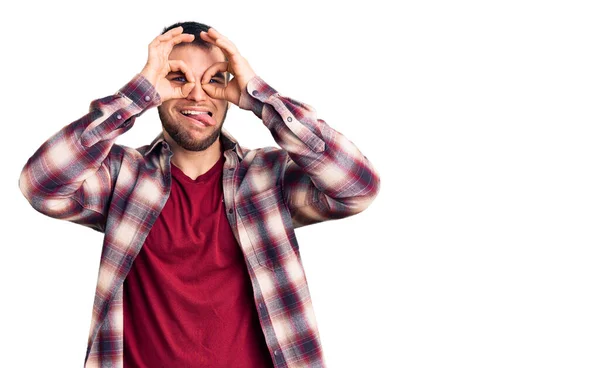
x=482, y=117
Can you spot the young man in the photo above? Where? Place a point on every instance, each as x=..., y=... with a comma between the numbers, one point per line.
x=200, y=265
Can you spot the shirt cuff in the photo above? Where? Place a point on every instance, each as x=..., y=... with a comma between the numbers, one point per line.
x=141, y=92
x=255, y=94
x=118, y=112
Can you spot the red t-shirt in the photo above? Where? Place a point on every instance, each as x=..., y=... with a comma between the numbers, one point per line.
x=188, y=300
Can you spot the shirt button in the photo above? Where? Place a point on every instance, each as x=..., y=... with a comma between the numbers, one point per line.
x=119, y=117
x=147, y=98
x=231, y=210
x=254, y=93
x=276, y=352
x=289, y=118
x=261, y=305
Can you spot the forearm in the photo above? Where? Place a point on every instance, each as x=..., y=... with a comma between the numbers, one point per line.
x=345, y=182
x=53, y=178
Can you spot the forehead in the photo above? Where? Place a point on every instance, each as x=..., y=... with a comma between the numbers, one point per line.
x=195, y=57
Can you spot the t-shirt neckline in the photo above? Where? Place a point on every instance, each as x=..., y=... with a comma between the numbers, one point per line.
x=180, y=175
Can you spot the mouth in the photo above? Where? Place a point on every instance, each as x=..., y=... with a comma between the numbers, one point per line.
x=202, y=118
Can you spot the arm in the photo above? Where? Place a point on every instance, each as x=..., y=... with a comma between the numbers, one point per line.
x=71, y=175
x=325, y=176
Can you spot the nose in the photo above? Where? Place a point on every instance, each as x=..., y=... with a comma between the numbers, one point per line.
x=197, y=93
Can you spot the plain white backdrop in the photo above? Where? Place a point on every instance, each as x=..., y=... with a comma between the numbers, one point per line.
x=482, y=249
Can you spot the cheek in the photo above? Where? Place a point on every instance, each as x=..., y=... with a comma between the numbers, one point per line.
x=222, y=106
x=166, y=108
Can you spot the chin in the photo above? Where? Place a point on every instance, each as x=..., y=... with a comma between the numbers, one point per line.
x=186, y=140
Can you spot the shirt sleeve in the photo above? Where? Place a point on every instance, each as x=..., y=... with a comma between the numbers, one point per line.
x=71, y=175
x=325, y=176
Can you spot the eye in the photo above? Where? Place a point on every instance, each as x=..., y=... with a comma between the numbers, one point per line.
x=179, y=79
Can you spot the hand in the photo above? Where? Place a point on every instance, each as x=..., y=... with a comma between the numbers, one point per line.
x=237, y=65
x=158, y=65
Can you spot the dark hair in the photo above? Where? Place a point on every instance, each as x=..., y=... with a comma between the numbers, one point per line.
x=193, y=28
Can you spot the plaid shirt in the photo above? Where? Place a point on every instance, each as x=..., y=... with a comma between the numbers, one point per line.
x=80, y=175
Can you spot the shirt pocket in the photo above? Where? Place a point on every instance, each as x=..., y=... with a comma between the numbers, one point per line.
x=268, y=224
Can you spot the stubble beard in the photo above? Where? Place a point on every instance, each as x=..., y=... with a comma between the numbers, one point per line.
x=184, y=139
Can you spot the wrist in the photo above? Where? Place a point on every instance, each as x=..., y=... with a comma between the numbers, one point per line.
x=254, y=95
x=150, y=76
x=141, y=92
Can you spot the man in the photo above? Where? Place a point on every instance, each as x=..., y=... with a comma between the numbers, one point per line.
x=200, y=265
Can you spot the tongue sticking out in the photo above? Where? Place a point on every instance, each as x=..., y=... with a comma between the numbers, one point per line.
x=204, y=119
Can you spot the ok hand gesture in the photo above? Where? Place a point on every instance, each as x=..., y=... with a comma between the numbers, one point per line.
x=237, y=65
x=158, y=65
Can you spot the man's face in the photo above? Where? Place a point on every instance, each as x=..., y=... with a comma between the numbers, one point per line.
x=194, y=123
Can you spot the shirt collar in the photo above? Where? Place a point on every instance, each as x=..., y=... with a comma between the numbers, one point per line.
x=227, y=140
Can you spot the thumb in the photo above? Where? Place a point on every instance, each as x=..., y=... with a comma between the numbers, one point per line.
x=186, y=89
x=213, y=91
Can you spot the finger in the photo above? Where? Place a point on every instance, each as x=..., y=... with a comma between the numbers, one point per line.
x=214, y=69
x=215, y=34
x=166, y=36
x=207, y=38
x=214, y=91
x=181, y=66
x=170, y=33
x=167, y=46
x=227, y=46
x=220, y=38
x=186, y=89
x=220, y=41
x=185, y=37
x=183, y=91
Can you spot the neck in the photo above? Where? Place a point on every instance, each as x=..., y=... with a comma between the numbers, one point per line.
x=194, y=163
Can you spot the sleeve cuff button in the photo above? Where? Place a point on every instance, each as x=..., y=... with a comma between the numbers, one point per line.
x=289, y=118
x=255, y=93
x=147, y=98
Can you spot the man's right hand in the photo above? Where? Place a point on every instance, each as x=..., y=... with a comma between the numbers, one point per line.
x=158, y=65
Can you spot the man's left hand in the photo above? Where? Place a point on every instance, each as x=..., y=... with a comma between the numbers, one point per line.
x=237, y=65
